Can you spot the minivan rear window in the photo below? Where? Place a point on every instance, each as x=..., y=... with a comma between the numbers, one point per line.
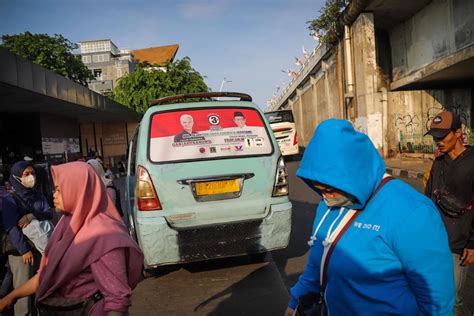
x=207, y=133
x=279, y=116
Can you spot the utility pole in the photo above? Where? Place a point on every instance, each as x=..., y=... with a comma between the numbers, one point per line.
x=223, y=82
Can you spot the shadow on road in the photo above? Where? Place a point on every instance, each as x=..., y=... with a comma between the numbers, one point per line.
x=248, y=296
x=301, y=227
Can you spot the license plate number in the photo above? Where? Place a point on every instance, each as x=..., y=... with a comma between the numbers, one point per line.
x=217, y=187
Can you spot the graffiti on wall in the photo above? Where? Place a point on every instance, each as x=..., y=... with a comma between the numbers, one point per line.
x=410, y=132
x=411, y=127
x=407, y=123
x=461, y=110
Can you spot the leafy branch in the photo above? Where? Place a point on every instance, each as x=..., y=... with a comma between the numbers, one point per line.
x=325, y=26
x=51, y=52
x=147, y=82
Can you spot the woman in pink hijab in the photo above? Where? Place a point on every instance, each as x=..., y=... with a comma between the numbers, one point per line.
x=90, y=250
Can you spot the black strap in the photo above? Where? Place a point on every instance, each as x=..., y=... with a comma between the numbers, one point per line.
x=22, y=202
x=343, y=230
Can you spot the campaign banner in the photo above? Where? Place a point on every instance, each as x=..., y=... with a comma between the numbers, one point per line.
x=207, y=133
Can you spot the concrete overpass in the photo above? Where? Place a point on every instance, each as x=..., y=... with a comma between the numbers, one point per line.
x=397, y=64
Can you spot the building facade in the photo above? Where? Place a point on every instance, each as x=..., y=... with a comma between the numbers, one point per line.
x=107, y=63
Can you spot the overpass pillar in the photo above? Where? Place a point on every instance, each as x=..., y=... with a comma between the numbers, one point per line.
x=369, y=102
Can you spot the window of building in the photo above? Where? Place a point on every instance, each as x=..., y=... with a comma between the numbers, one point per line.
x=98, y=74
x=86, y=59
x=99, y=46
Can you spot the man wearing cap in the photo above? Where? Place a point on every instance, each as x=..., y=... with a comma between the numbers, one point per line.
x=451, y=187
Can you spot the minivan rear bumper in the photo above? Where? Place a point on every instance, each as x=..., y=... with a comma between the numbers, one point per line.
x=164, y=245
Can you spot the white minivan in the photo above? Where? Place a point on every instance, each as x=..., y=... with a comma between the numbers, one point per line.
x=284, y=128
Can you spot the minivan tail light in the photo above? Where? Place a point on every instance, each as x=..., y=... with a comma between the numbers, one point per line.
x=147, y=199
x=281, y=187
x=295, y=141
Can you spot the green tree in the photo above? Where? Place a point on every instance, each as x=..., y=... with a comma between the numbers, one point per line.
x=326, y=24
x=138, y=88
x=51, y=52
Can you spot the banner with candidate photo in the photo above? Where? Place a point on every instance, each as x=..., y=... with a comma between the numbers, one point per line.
x=207, y=133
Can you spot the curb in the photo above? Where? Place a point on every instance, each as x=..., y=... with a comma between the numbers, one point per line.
x=398, y=172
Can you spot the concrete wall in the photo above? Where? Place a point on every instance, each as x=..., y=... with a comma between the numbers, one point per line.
x=317, y=100
x=441, y=28
x=110, y=140
x=395, y=121
x=369, y=109
x=410, y=114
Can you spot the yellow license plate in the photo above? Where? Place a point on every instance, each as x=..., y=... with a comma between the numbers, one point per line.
x=217, y=187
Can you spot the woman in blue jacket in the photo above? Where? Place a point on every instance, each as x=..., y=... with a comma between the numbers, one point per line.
x=394, y=258
x=16, y=215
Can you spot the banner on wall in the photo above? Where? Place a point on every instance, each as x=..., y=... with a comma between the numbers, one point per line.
x=59, y=145
x=115, y=139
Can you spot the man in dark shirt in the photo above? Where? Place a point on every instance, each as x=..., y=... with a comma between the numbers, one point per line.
x=451, y=187
x=187, y=134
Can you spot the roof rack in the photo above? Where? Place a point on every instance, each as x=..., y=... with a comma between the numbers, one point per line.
x=202, y=96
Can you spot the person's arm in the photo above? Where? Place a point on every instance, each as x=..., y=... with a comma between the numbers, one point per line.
x=421, y=244
x=18, y=240
x=309, y=280
x=26, y=289
x=429, y=182
x=20, y=243
x=25, y=220
x=467, y=257
x=110, y=276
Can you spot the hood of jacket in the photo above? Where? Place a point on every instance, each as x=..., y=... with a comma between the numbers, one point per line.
x=343, y=158
x=17, y=170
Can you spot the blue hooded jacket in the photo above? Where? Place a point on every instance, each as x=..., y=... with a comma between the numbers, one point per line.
x=394, y=259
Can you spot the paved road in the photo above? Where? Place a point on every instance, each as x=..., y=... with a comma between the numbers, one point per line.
x=240, y=286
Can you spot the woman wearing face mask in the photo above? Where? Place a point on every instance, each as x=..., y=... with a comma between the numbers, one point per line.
x=377, y=246
x=25, y=216
x=90, y=255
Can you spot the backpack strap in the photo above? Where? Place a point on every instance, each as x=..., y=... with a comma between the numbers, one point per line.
x=21, y=202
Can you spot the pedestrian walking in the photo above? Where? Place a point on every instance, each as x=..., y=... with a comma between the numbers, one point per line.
x=25, y=216
x=451, y=186
x=112, y=190
x=378, y=247
x=90, y=257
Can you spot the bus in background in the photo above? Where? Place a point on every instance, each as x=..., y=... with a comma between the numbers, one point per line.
x=284, y=129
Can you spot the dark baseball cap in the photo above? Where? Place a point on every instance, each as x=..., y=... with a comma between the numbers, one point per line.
x=443, y=123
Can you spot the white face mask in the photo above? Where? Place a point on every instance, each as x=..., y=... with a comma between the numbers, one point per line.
x=342, y=200
x=28, y=181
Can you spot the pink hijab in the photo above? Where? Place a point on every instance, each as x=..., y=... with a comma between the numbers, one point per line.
x=91, y=229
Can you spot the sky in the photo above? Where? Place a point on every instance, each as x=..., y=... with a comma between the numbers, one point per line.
x=248, y=43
